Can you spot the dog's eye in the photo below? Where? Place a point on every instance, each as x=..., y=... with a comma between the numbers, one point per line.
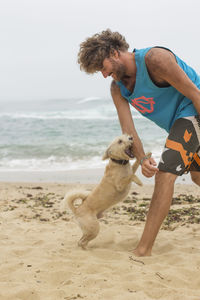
x=120, y=141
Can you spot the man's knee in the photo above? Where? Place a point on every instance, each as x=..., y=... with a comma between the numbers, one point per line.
x=165, y=177
x=195, y=177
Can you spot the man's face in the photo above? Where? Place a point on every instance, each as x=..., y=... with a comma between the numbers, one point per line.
x=112, y=66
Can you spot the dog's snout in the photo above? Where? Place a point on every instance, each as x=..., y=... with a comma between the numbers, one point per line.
x=130, y=138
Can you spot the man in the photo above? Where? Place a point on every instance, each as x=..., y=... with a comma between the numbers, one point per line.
x=164, y=89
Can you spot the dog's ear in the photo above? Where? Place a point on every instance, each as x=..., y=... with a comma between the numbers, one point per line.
x=106, y=154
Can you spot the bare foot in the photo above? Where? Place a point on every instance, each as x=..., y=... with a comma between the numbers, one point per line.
x=141, y=252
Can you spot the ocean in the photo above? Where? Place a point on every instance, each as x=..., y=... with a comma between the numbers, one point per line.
x=59, y=135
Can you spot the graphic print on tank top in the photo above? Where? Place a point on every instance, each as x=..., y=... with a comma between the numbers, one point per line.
x=143, y=104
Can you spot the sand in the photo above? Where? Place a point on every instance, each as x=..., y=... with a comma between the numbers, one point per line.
x=40, y=258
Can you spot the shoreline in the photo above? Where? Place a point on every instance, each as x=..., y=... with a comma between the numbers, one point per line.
x=82, y=176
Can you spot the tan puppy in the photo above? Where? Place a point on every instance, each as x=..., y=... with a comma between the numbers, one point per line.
x=114, y=187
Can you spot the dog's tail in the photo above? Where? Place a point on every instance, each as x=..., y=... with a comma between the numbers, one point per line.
x=71, y=197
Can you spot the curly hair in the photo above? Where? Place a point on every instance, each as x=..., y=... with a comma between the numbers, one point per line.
x=95, y=49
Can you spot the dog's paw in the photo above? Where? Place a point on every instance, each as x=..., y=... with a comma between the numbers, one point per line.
x=137, y=180
x=82, y=246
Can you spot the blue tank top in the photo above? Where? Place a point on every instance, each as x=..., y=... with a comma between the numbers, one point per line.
x=161, y=105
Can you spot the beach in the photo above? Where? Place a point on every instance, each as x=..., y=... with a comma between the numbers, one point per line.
x=60, y=148
x=40, y=258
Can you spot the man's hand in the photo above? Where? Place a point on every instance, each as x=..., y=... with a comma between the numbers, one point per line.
x=149, y=168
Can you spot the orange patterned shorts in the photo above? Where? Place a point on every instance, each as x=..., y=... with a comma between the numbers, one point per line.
x=182, y=149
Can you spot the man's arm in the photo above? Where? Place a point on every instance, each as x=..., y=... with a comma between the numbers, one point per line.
x=163, y=67
x=127, y=126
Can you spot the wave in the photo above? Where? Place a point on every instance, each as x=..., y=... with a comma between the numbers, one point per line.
x=50, y=164
x=68, y=115
x=84, y=115
x=88, y=99
x=90, y=108
x=53, y=163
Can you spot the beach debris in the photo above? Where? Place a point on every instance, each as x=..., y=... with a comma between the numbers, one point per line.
x=136, y=260
x=130, y=291
x=183, y=198
x=44, y=206
x=11, y=207
x=137, y=214
x=134, y=193
x=29, y=195
x=78, y=296
x=44, y=219
x=38, y=205
x=185, y=215
x=186, y=211
x=159, y=275
x=133, y=200
x=143, y=204
x=22, y=200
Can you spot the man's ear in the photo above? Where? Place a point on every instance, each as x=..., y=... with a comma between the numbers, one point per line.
x=115, y=54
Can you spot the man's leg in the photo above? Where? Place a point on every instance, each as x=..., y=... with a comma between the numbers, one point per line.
x=195, y=168
x=195, y=177
x=159, y=208
x=181, y=145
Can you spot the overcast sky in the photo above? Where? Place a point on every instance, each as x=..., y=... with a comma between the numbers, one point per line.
x=39, y=41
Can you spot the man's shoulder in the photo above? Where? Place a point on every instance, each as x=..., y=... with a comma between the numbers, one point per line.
x=157, y=57
x=158, y=54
